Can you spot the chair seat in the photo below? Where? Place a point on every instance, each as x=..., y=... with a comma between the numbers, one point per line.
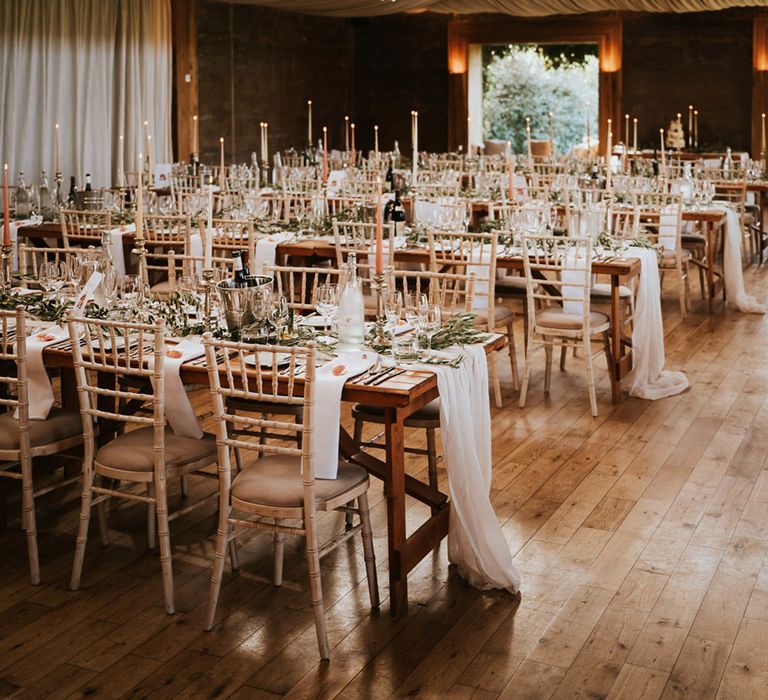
x=603, y=289
x=501, y=314
x=669, y=256
x=269, y=407
x=59, y=425
x=693, y=239
x=134, y=451
x=511, y=284
x=163, y=287
x=275, y=481
x=430, y=412
x=557, y=319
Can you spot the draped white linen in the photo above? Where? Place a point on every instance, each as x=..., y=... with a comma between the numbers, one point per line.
x=99, y=68
x=520, y=8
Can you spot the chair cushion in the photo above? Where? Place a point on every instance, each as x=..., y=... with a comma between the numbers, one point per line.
x=429, y=412
x=60, y=424
x=669, y=255
x=134, y=451
x=603, y=289
x=558, y=319
x=501, y=314
x=511, y=284
x=694, y=238
x=163, y=287
x=276, y=481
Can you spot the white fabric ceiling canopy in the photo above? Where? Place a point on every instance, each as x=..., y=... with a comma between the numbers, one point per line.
x=520, y=8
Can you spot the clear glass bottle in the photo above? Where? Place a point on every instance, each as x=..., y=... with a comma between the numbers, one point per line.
x=728, y=163
x=686, y=184
x=21, y=198
x=351, y=309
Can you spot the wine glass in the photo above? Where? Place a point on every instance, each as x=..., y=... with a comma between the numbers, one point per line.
x=129, y=287
x=53, y=276
x=326, y=301
x=393, y=308
x=416, y=306
x=109, y=285
x=432, y=322
x=281, y=314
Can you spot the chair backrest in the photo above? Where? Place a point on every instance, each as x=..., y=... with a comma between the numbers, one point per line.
x=451, y=291
x=235, y=371
x=298, y=284
x=558, y=272
x=31, y=258
x=14, y=386
x=468, y=254
x=80, y=228
x=230, y=235
x=120, y=349
x=182, y=265
x=360, y=238
x=163, y=235
x=660, y=218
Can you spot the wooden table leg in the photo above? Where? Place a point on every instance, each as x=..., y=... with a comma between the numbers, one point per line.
x=710, y=269
x=394, y=490
x=615, y=339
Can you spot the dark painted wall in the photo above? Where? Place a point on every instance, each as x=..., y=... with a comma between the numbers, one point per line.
x=704, y=59
x=268, y=63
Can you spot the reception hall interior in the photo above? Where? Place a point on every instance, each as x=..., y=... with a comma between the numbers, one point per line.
x=384, y=348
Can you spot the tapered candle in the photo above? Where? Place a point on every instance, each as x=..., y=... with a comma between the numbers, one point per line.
x=346, y=134
x=265, y=146
x=608, y=157
x=626, y=132
x=589, y=145
x=528, y=134
x=690, y=126
x=415, y=143
x=6, y=213
x=146, y=131
x=762, y=133
x=309, y=122
x=121, y=161
x=208, y=252
x=222, y=179
x=695, y=128
x=57, y=149
x=140, y=201
x=354, y=153
x=150, y=162
x=194, y=136
x=663, y=154
x=376, y=142
x=379, y=232
x=469, y=136
x=634, y=134
x=551, y=135
x=325, y=153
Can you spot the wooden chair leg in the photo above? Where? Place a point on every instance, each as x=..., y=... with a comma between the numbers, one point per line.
x=279, y=546
x=358, y=431
x=513, y=355
x=238, y=459
x=101, y=518
x=548, y=363
x=368, y=551
x=234, y=558
x=526, y=373
x=164, y=537
x=82, y=531
x=494, y=372
x=217, y=573
x=151, y=517
x=607, y=350
x=590, y=376
x=184, y=484
x=28, y=518
x=563, y=356
x=316, y=588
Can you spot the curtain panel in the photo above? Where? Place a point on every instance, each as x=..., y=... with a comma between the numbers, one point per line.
x=98, y=68
x=519, y=8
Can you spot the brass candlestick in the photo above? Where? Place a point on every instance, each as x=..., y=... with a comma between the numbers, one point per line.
x=140, y=251
x=6, y=258
x=207, y=285
x=379, y=327
x=59, y=199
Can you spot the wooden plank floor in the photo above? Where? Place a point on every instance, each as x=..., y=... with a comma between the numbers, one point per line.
x=641, y=537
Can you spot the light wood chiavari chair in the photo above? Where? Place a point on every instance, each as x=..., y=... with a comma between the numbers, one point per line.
x=281, y=485
x=162, y=236
x=82, y=228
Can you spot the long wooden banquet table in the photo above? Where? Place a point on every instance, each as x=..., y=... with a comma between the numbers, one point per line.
x=399, y=396
x=619, y=270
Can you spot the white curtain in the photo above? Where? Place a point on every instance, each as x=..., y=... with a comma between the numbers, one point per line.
x=520, y=8
x=98, y=68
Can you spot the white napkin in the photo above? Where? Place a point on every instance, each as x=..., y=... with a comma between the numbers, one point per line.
x=178, y=409
x=573, y=301
x=40, y=389
x=733, y=272
x=476, y=543
x=266, y=250
x=519, y=187
x=14, y=229
x=668, y=228
x=326, y=413
x=195, y=250
x=479, y=266
x=336, y=179
x=116, y=245
x=649, y=378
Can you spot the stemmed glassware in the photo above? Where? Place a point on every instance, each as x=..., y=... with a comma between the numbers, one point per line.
x=281, y=315
x=393, y=309
x=326, y=301
x=53, y=275
x=431, y=324
x=416, y=307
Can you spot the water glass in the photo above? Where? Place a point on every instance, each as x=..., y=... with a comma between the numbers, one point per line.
x=405, y=348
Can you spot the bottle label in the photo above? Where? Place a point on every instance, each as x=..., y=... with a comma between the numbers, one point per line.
x=237, y=264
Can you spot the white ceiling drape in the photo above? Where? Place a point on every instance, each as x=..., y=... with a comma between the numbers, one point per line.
x=520, y=8
x=99, y=68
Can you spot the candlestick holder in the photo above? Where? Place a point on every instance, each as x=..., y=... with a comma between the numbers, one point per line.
x=379, y=326
x=265, y=172
x=57, y=179
x=6, y=258
x=140, y=251
x=207, y=285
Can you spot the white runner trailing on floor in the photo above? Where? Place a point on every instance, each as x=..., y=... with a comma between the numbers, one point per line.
x=649, y=378
x=735, y=294
x=476, y=543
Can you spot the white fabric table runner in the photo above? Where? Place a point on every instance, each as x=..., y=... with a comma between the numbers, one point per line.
x=40, y=389
x=116, y=246
x=266, y=250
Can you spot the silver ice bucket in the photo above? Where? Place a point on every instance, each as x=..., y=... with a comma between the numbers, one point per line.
x=243, y=306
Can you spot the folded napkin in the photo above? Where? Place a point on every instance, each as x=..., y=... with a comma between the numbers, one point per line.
x=336, y=178
x=266, y=250
x=326, y=412
x=573, y=294
x=14, y=228
x=668, y=228
x=178, y=409
x=40, y=389
x=195, y=250
x=116, y=245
